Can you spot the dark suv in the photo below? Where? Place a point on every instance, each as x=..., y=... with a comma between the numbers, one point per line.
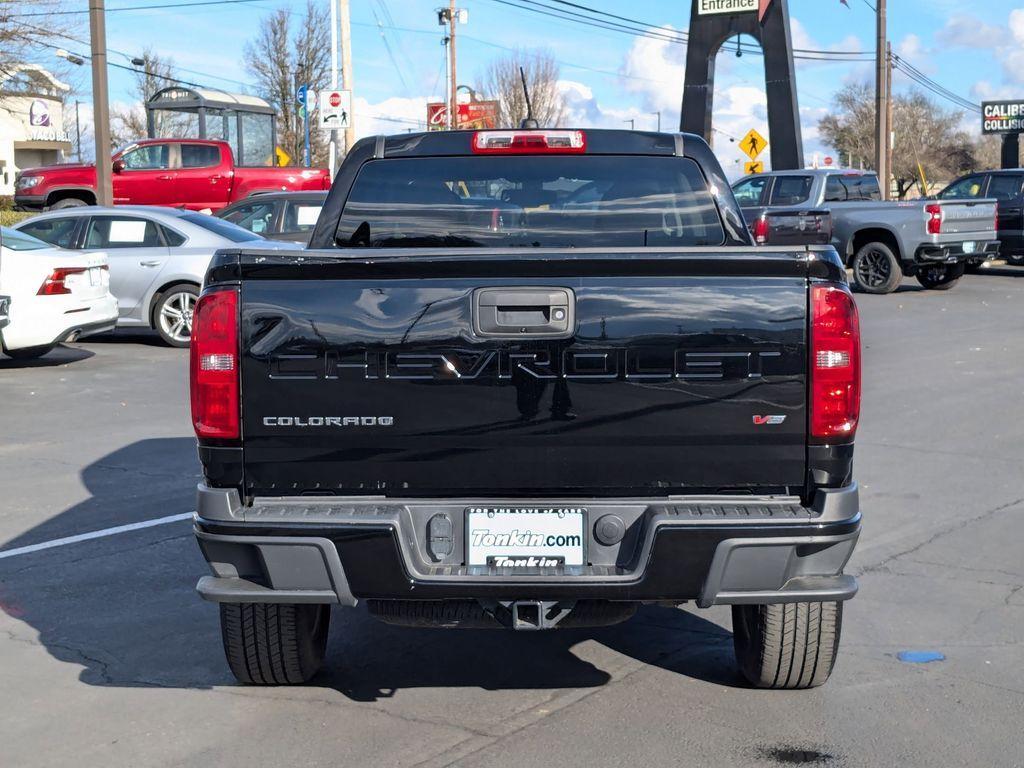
x=1006, y=186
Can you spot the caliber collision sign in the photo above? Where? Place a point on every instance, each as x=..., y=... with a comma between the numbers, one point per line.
x=1002, y=116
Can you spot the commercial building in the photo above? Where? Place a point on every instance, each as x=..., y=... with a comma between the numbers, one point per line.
x=32, y=129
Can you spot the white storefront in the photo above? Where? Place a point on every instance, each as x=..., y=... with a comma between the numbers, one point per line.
x=32, y=129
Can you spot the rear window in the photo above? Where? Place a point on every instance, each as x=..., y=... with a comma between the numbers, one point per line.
x=220, y=227
x=855, y=186
x=530, y=201
x=17, y=241
x=790, y=190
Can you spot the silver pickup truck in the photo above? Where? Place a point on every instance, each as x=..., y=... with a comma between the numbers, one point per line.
x=932, y=240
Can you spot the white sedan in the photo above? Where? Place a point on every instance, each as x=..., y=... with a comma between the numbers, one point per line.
x=51, y=295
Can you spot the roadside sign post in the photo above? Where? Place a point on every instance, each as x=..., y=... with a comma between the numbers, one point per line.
x=307, y=101
x=754, y=166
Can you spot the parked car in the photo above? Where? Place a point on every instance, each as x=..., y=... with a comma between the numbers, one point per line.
x=1006, y=187
x=277, y=215
x=190, y=173
x=881, y=241
x=50, y=295
x=528, y=379
x=158, y=257
x=792, y=227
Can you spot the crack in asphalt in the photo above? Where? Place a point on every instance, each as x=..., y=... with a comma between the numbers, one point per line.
x=958, y=526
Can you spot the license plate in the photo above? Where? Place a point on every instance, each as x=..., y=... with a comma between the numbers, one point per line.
x=525, y=537
x=970, y=247
x=95, y=276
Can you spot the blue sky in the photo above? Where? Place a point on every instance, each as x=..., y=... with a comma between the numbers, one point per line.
x=974, y=49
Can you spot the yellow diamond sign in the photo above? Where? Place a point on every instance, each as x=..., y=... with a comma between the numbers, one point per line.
x=754, y=166
x=753, y=144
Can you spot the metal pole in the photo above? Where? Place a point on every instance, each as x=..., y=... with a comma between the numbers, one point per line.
x=890, y=132
x=78, y=133
x=333, y=146
x=100, y=102
x=453, y=108
x=881, y=107
x=658, y=113
x=632, y=124
x=346, y=71
x=305, y=127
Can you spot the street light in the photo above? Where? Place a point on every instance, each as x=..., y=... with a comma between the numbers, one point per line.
x=70, y=57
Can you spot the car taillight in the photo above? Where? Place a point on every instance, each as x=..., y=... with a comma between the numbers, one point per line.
x=761, y=230
x=934, y=211
x=835, y=363
x=214, y=366
x=55, y=285
x=529, y=142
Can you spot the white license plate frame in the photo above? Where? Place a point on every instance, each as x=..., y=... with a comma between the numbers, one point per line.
x=526, y=537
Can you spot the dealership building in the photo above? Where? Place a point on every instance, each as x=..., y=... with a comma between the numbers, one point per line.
x=31, y=122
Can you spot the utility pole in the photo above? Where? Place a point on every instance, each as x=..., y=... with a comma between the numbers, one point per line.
x=658, y=113
x=881, y=105
x=890, y=132
x=453, y=108
x=78, y=133
x=332, y=149
x=346, y=71
x=100, y=102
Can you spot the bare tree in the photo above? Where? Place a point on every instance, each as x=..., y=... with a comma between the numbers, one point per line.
x=280, y=57
x=927, y=136
x=32, y=30
x=129, y=123
x=502, y=82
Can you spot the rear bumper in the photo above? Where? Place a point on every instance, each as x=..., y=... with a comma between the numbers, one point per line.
x=953, y=253
x=32, y=323
x=712, y=550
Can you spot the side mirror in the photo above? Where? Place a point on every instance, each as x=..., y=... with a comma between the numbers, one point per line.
x=117, y=166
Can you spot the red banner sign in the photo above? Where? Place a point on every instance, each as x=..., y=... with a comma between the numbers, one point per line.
x=473, y=116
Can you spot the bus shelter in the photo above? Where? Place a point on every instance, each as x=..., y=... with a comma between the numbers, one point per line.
x=247, y=123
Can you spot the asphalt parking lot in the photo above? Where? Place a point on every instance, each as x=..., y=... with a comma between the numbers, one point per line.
x=109, y=658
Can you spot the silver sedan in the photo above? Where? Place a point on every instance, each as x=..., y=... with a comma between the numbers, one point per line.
x=158, y=257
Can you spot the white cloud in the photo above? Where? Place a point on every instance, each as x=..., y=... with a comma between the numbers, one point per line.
x=965, y=31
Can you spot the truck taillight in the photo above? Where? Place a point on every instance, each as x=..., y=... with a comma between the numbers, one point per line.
x=835, y=363
x=934, y=212
x=761, y=230
x=214, y=366
x=55, y=283
x=529, y=142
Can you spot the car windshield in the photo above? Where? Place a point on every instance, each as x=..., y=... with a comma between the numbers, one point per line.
x=225, y=229
x=19, y=241
x=530, y=201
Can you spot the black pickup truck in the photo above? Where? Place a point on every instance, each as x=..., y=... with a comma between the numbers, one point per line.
x=529, y=379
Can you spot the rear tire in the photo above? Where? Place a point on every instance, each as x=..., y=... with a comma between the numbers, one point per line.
x=67, y=202
x=789, y=647
x=876, y=269
x=941, y=277
x=29, y=353
x=1015, y=259
x=172, y=315
x=274, y=643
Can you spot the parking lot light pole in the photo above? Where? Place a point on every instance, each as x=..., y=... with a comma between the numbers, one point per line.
x=100, y=102
x=881, y=105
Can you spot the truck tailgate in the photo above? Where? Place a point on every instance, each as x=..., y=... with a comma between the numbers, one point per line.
x=969, y=218
x=366, y=373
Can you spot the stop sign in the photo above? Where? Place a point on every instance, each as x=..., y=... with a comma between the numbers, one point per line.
x=335, y=99
x=828, y=161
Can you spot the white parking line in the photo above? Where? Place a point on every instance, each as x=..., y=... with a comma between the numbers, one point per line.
x=95, y=534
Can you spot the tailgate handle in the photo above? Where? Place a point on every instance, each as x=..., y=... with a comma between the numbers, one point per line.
x=512, y=313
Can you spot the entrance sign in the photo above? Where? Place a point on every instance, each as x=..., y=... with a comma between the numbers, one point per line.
x=1002, y=116
x=707, y=7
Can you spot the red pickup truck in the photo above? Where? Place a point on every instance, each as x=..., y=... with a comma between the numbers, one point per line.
x=190, y=173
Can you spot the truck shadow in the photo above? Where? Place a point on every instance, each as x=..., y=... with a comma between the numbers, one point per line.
x=124, y=608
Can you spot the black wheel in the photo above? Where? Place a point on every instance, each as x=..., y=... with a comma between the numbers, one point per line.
x=941, y=277
x=876, y=269
x=790, y=646
x=67, y=202
x=1015, y=259
x=29, y=353
x=274, y=643
x=172, y=315
x=975, y=267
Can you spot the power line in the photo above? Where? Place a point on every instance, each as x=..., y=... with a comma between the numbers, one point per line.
x=131, y=8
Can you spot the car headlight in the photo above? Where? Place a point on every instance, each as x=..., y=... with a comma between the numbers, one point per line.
x=27, y=182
